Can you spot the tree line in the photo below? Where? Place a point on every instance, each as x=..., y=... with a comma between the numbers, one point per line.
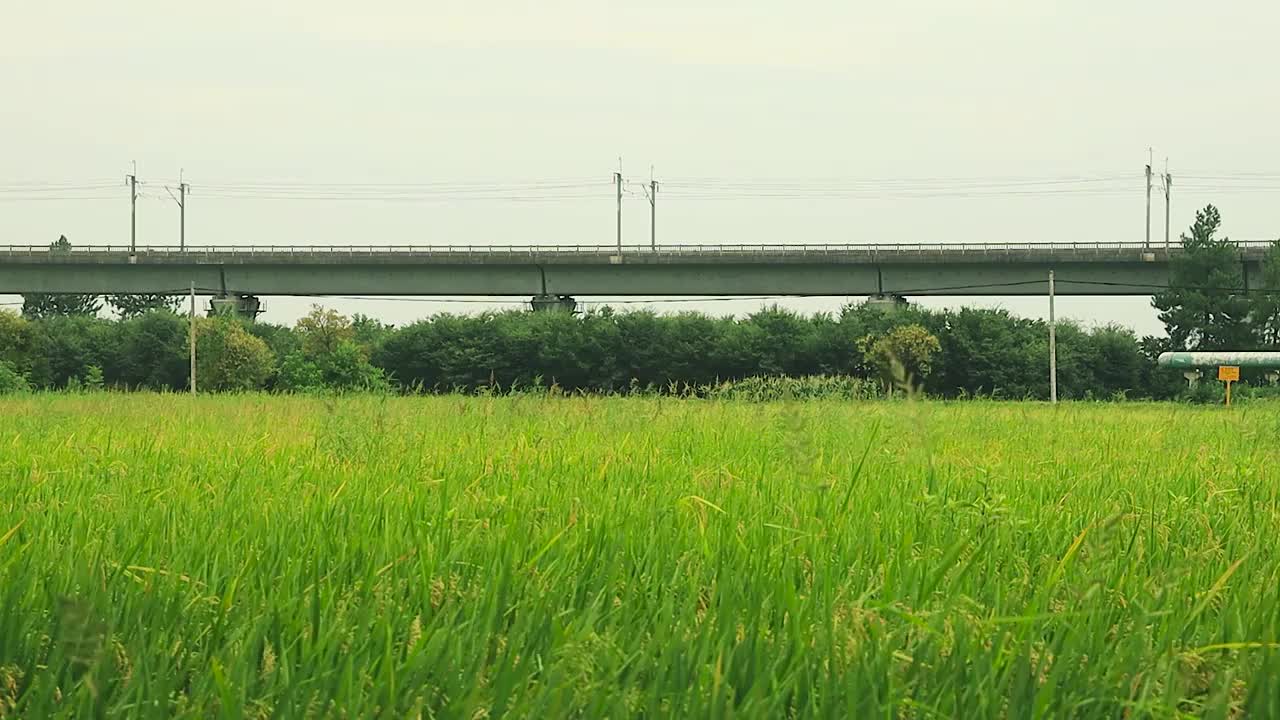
x=949, y=353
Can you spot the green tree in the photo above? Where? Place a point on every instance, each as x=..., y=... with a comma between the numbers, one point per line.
x=38, y=305
x=64, y=347
x=298, y=374
x=903, y=356
x=1265, y=314
x=1118, y=362
x=330, y=355
x=11, y=381
x=346, y=368
x=229, y=358
x=282, y=339
x=15, y=341
x=322, y=330
x=1205, y=307
x=369, y=332
x=154, y=351
x=135, y=304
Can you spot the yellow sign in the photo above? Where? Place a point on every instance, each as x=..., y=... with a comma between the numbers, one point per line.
x=1229, y=373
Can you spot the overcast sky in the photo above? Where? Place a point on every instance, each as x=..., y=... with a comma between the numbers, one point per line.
x=340, y=99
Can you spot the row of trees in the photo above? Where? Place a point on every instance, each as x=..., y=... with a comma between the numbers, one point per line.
x=57, y=342
x=967, y=351
x=152, y=351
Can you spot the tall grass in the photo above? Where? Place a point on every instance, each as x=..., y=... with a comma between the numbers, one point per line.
x=533, y=556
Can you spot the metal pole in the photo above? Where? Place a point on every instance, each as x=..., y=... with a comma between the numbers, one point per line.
x=182, y=213
x=1168, y=185
x=1053, y=347
x=191, y=319
x=617, y=180
x=653, y=215
x=133, y=210
x=1148, y=243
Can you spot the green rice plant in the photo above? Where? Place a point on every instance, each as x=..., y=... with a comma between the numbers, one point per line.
x=535, y=555
x=811, y=387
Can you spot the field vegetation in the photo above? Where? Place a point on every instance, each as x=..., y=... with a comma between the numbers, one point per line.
x=544, y=556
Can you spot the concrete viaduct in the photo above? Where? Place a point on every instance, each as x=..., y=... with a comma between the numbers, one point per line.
x=552, y=275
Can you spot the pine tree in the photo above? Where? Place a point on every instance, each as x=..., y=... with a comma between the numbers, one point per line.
x=1205, y=307
x=1266, y=304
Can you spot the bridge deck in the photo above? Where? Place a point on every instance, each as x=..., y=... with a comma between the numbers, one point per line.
x=609, y=254
x=1082, y=268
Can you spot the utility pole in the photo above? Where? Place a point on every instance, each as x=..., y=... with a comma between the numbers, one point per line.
x=183, y=187
x=133, y=209
x=1148, y=243
x=191, y=320
x=1168, y=184
x=652, y=191
x=1053, y=347
x=617, y=180
x=181, y=200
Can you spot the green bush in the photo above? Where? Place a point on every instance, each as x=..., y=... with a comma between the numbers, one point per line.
x=229, y=358
x=299, y=375
x=11, y=381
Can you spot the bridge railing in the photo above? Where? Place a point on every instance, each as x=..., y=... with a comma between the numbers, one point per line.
x=714, y=249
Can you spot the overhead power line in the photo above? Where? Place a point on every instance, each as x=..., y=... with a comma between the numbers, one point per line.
x=680, y=189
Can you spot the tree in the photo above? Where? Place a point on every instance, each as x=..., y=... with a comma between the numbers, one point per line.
x=903, y=356
x=1205, y=307
x=282, y=339
x=298, y=374
x=37, y=305
x=1265, y=314
x=63, y=348
x=1119, y=364
x=135, y=304
x=323, y=330
x=15, y=340
x=346, y=368
x=154, y=352
x=330, y=356
x=369, y=332
x=229, y=358
x=11, y=381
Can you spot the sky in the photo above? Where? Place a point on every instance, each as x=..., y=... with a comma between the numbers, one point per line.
x=399, y=122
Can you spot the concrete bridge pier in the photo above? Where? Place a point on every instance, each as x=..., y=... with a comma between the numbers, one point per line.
x=886, y=302
x=240, y=305
x=547, y=302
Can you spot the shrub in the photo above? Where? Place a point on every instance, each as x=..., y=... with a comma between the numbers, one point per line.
x=11, y=381
x=229, y=358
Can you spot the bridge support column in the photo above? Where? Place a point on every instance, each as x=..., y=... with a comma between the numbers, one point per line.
x=553, y=303
x=246, y=306
x=1192, y=377
x=886, y=302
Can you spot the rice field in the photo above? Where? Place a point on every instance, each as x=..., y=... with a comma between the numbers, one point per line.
x=540, y=557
